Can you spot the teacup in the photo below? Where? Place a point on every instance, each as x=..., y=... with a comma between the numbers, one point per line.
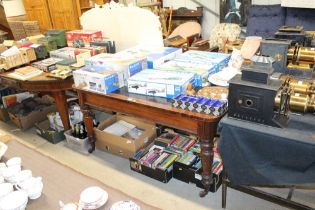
x=14, y=161
x=5, y=189
x=32, y=186
x=21, y=176
x=10, y=172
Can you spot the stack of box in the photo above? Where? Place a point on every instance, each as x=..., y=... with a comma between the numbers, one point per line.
x=165, y=84
x=201, y=63
x=31, y=28
x=47, y=65
x=155, y=56
x=49, y=42
x=59, y=35
x=81, y=38
x=106, y=43
x=75, y=54
x=102, y=81
x=200, y=104
x=124, y=66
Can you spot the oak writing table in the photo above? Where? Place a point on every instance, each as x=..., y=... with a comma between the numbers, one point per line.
x=56, y=87
x=158, y=110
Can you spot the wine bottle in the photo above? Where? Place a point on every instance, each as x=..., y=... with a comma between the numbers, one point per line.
x=77, y=130
x=72, y=130
x=81, y=135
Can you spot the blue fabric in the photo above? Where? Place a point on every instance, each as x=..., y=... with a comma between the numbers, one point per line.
x=255, y=154
x=301, y=17
x=265, y=20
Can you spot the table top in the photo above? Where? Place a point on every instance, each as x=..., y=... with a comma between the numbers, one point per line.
x=149, y=101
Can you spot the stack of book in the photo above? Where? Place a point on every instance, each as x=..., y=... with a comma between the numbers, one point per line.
x=26, y=73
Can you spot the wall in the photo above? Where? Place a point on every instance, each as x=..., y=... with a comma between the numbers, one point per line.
x=13, y=8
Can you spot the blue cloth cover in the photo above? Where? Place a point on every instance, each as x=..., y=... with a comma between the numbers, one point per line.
x=255, y=154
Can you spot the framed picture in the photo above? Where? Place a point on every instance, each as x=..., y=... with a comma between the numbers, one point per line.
x=234, y=11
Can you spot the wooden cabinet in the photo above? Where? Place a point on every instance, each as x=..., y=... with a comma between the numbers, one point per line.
x=64, y=14
x=38, y=10
x=57, y=14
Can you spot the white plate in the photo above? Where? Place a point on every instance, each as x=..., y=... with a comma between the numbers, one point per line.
x=14, y=161
x=91, y=195
x=5, y=188
x=125, y=205
x=95, y=205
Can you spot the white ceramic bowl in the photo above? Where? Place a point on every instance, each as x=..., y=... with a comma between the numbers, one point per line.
x=9, y=173
x=5, y=189
x=16, y=200
x=22, y=176
x=14, y=161
x=32, y=186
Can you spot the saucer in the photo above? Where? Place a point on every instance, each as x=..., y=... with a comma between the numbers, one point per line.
x=125, y=205
x=93, y=198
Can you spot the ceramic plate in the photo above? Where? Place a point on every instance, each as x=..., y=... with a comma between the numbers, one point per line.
x=93, y=196
x=14, y=200
x=125, y=205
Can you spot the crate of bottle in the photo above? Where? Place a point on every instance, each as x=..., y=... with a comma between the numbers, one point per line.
x=76, y=143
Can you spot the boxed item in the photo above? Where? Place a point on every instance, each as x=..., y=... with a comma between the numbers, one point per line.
x=70, y=53
x=17, y=29
x=47, y=65
x=125, y=66
x=201, y=63
x=128, y=143
x=107, y=43
x=2, y=48
x=25, y=114
x=155, y=56
x=200, y=104
x=167, y=84
x=103, y=82
x=154, y=161
x=40, y=51
x=44, y=130
x=29, y=53
x=33, y=39
x=31, y=28
x=59, y=35
x=81, y=38
x=49, y=42
x=77, y=144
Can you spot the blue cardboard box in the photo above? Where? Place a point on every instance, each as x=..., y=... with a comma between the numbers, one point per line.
x=160, y=83
x=155, y=56
x=102, y=82
x=125, y=65
x=201, y=63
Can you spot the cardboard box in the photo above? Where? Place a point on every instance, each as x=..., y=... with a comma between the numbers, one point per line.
x=201, y=63
x=4, y=115
x=60, y=36
x=81, y=38
x=17, y=29
x=165, y=84
x=49, y=42
x=125, y=66
x=28, y=53
x=40, y=51
x=26, y=122
x=31, y=28
x=102, y=82
x=3, y=36
x=200, y=104
x=155, y=56
x=78, y=55
x=47, y=65
x=43, y=129
x=122, y=146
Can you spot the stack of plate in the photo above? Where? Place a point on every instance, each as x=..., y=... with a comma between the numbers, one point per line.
x=93, y=198
x=16, y=200
x=125, y=205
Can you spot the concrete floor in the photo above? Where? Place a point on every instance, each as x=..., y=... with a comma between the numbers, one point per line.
x=115, y=172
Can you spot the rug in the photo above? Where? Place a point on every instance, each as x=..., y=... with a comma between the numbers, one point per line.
x=60, y=182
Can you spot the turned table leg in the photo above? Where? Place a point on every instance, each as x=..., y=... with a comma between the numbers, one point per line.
x=88, y=121
x=206, y=133
x=62, y=107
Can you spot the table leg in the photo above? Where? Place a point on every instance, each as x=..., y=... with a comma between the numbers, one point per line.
x=62, y=107
x=224, y=188
x=88, y=122
x=206, y=132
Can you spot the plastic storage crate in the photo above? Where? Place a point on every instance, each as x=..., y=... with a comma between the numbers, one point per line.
x=80, y=145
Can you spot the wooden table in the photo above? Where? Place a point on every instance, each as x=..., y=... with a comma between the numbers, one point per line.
x=160, y=111
x=56, y=87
